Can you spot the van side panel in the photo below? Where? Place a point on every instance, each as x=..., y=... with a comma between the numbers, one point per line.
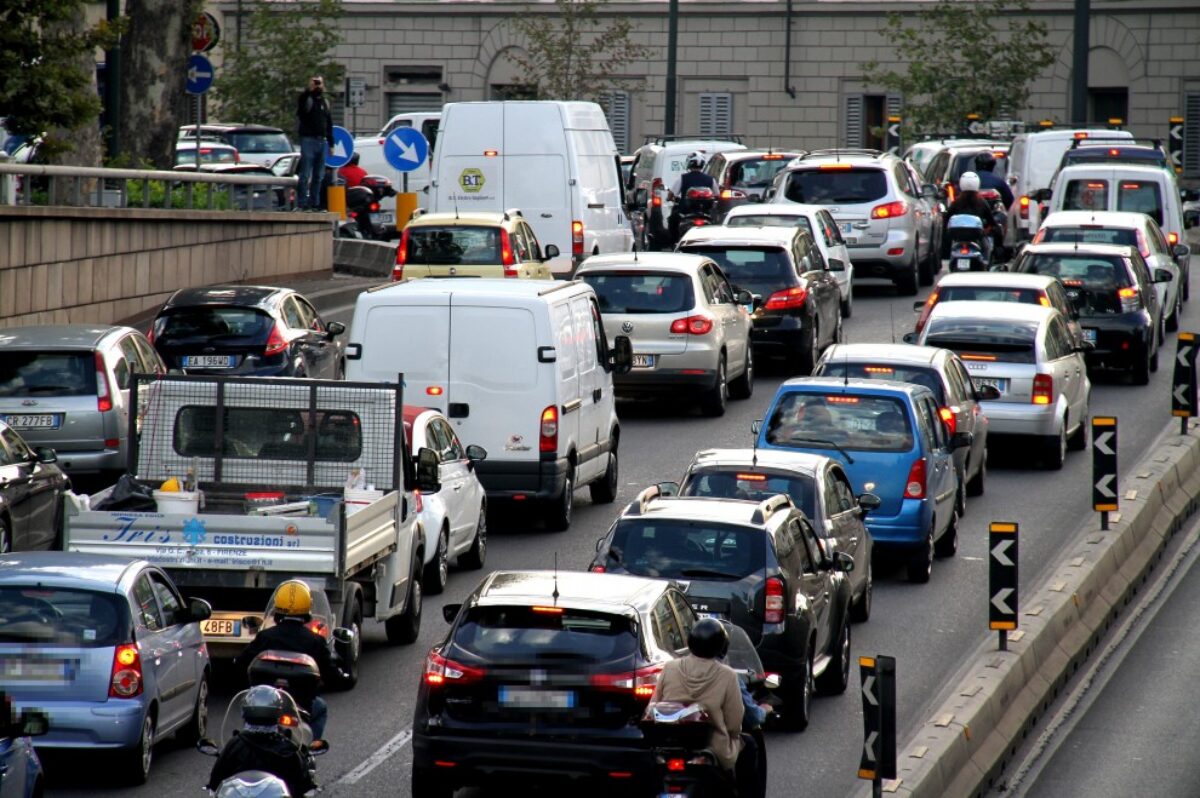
x=467, y=179
x=600, y=192
x=595, y=391
x=567, y=362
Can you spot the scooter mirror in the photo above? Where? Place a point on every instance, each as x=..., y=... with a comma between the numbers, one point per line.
x=318, y=747
x=208, y=747
x=252, y=622
x=772, y=681
x=343, y=635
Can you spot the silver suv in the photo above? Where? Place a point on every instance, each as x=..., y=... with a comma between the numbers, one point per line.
x=887, y=217
x=690, y=328
x=67, y=387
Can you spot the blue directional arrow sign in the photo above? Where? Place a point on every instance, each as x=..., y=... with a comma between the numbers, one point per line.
x=405, y=149
x=343, y=148
x=199, y=74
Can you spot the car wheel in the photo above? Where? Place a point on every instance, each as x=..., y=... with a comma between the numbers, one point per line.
x=975, y=484
x=1140, y=373
x=860, y=611
x=605, y=490
x=921, y=565
x=848, y=302
x=812, y=352
x=352, y=619
x=1173, y=320
x=743, y=386
x=906, y=284
x=476, y=555
x=426, y=785
x=1078, y=440
x=925, y=266
x=437, y=572
x=405, y=627
x=558, y=514
x=960, y=498
x=837, y=674
x=197, y=727
x=713, y=402
x=1056, y=448
x=947, y=544
x=136, y=768
x=797, y=700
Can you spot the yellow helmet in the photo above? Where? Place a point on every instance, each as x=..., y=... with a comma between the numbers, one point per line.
x=293, y=597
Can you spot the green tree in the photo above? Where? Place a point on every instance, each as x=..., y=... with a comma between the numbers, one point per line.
x=962, y=57
x=572, y=55
x=46, y=87
x=284, y=45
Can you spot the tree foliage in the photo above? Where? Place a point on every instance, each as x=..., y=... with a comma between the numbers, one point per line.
x=45, y=85
x=284, y=44
x=572, y=55
x=962, y=57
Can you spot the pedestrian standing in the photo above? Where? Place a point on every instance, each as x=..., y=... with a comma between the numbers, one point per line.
x=316, y=138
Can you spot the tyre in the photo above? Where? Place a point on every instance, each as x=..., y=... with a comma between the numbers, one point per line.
x=59, y=527
x=352, y=619
x=1056, y=449
x=1173, y=319
x=860, y=611
x=743, y=386
x=6, y=540
x=837, y=674
x=713, y=402
x=135, y=765
x=1139, y=374
x=812, y=352
x=797, y=700
x=906, y=283
x=921, y=565
x=404, y=628
x=947, y=544
x=848, y=302
x=558, y=513
x=426, y=785
x=1078, y=440
x=604, y=491
x=925, y=268
x=474, y=558
x=197, y=727
x=975, y=484
x=437, y=572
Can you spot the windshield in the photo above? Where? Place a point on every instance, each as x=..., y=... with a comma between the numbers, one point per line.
x=768, y=220
x=829, y=186
x=633, y=292
x=24, y=373
x=453, y=245
x=264, y=142
x=974, y=293
x=762, y=270
x=1092, y=281
x=750, y=485
x=857, y=422
x=522, y=633
x=985, y=340
x=206, y=324
x=682, y=549
x=61, y=617
x=890, y=372
x=1093, y=154
x=755, y=172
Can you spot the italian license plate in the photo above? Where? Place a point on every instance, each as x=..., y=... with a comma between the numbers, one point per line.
x=526, y=698
x=643, y=361
x=208, y=361
x=30, y=421
x=999, y=383
x=962, y=264
x=848, y=227
x=387, y=218
x=718, y=615
x=1089, y=335
x=16, y=669
x=221, y=627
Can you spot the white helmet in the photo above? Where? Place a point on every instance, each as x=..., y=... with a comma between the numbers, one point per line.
x=695, y=161
x=968, y=182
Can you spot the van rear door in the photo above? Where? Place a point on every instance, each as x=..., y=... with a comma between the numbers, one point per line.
x=467, y=169
x=411, y=337
x=536, y=177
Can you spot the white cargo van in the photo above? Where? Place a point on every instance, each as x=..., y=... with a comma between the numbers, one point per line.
x=554, y=161
x=522, y=368
x=370, y=152
x=1033, y=159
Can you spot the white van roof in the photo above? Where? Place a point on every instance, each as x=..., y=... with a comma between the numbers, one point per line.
x=576, y=115
x=464, y=287
x=1115, y=169
x=1072, y=132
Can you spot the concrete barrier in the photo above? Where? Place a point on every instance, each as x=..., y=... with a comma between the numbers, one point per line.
x=364, y=258
x=975, y=733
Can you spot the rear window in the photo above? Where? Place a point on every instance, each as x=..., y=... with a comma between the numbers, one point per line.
x=60, y=617
x=627, y=292
x=268, y=434
x=750, y=485
x=214, y=324
x=868, y=423
x=454, y=245
x=1121, y=236
x=1076, y=269
x=758, y=269
x=1139, y=196
x=207, y=155
x=972, y=293
x=965, y=162
x=47, y=373
x=1085, y=195
x=890, y=372
x=833, y=186
x=259, y=142
x=521, y=634
x=769, y=220
x=985, y=339
x=755, y=172
x=680, y=549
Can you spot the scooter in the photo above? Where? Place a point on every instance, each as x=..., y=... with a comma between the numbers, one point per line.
x=966, y=235
x=363, y=200
x=700, y=205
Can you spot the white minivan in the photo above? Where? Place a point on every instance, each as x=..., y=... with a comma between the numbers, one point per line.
x=554, y=161
x=522, y=368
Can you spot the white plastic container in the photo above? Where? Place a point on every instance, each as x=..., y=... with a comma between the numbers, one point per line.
x=177, y=501
x=355, y=500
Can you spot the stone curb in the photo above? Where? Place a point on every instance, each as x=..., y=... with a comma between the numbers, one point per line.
x=364, y=258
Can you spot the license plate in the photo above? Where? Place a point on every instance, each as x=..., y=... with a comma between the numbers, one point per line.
x=208, y=361
x=962, y=264
x=221, y=627
x=643, y=361
x=999, y=383
x=1089, y=335
x=849, y=240
x=525, y=698
x=718, y=615
x=34, y=670
x=40, y=421
x=387, y=218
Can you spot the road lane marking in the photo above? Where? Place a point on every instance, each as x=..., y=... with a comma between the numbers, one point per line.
x=378, y=758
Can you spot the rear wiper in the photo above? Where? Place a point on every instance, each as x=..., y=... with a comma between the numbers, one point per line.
x=702, y=572
x=827, y=444
x=560, y=655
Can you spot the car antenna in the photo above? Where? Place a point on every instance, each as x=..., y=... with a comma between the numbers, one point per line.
x=456, y=209
x=554, y=595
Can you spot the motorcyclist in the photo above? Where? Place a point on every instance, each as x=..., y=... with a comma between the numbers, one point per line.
x=692, y=178
x=265, y=744
x=352, y=173
x=293, y=605
x=985, y=163
x=970, y=203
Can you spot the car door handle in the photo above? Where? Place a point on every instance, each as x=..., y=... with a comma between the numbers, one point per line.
x=596, y=394
x=458, y=487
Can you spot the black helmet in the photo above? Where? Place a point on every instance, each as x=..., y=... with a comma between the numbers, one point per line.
x=985, y=162
x=708, y=639
x=264, y=706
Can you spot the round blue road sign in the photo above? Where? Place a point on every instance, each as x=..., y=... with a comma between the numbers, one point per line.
x=405, y=149
x=343, y=148
x=199, y=74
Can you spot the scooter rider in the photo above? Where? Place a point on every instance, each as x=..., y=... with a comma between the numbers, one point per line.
x=692, y=178
x=264, y=744
x=985, y=162
x=293, y=605
x=969, y=202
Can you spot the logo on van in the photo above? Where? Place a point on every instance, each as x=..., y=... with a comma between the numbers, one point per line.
x=516, y=443
x=471, y=180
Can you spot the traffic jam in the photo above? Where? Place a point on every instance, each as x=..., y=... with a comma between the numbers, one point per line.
x=280, y=494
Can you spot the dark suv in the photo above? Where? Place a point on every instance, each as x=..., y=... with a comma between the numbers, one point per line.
x=744, y=175
x=758, y=565
x=545, y=676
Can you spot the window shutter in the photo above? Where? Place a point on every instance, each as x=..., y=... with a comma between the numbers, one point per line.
x=716, y=114
x=854, y=121
x=1191, y=134
x=616, y=107
x=412, y=102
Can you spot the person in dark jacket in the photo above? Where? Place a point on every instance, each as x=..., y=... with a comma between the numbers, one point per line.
x=315, y=124
x=263, y=745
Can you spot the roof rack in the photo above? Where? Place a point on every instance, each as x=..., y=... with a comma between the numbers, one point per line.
x=1119, y=140
x=837, y=152
x=638, y=505
x=663, y=138
x=768, y=507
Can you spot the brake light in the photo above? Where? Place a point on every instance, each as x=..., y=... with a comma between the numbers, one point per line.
x=1130, y=299
x=772, y=156
x=835, y=167
x=774, y=604
x=1172, y=238
x=374, y=207
x=597, y=569
x=577, y=238
x=676, y=765
x=951, y=191
x=879, y=370
x=914, y=488
x=641, y=681
x=507, y=259
x=319, y=627
x=1114, y=152
x=104, y=401
x=1081, y=135
x=126, y=679
x=949, y=418
x=656, y=188
x=548, y=432
x=793, y=297
x=924, y=317
x=440, y=671
x=751, y=477
x=275, y=342
x=1043, y=389
x=890, y=210
x=692, y=325
x=1023, y=207
x=401, y=257
x=732, y=193
x=490, y=153
x=548, y=610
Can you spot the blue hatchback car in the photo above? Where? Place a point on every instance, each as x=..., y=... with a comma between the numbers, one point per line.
x=893, y=444
x=107, y=649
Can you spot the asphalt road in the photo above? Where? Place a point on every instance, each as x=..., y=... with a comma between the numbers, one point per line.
x=928, y=628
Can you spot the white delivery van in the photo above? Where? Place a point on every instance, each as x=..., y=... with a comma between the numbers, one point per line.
x=522, y=368
x=370, y=157
x=554, y=161
x=1033, y=159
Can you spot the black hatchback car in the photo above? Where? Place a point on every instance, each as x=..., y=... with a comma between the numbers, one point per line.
x=247, y=330
x=31, y=495
x=544, y=677
x=758, y=565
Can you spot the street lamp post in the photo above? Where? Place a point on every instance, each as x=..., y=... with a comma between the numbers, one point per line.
x=672, y=53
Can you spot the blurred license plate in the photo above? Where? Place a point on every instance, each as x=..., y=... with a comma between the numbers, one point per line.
x=999, y=383
x=524, y=698
x=720, y=616
x=221, y=627
x=848, y=227
x=643, y=361
x=387, y=218
x=33, y=670
x=848, y=240
x=1089, y=335
x=208, y=361
x=962, y=264
x=41, y=421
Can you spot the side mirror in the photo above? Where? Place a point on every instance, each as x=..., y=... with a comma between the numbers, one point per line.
x=836, y=265
x=335, y=328
x=772, y=681
x=755, y=427
x=46, y=455
x=918, y=306
x=343, y=642
x=450, y=612
x=843, y=562
x=666, y=489
x=199, y=610
x=1043, y=195
x=960, y=440
x=869, y=502
x=743, y=297
x=986, y=393
x=476, y=453
x=428, y=471
x=549, y=251
x=999, y=218
x=318, y=747
x=1191, y=219
x=1162, y=276
x=33, y=723
x=1181, y=250
x=599, y=543
x=620, y=357
x=208, y=747
x=754, y=198
x=1189, y=194
x=252, y=622
x=909, y=338
x=343, y=635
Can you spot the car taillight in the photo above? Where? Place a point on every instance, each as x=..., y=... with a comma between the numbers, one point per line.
x=126, y=679
x=401, y=257
x=889, y=210
x=1130, y=299
x=548, y=431
x=793, y=297
x=150, y=334
x=775, y=603
x=656, y=193
x=275, y=342
x=692, y=325
x=1172, y=238
x=374, y=207
x=1043, y=389
x=641, y=681
x=732, y=193
x=440, y=671
x=577, y=238
x=951, y=191
x=104, y=400
x=1141, y=244
x=418, y=502
x=1023, y=207
x=676, y=765
x=597, y=569
x=914, y=488
x=925, y=311
x=507, y=259
x=949, y=418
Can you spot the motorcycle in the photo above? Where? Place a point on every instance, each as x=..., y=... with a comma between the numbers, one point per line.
x=363, y=200
x=966, y=235
x=679, y=734
x=700, y=203
x=344, y=644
